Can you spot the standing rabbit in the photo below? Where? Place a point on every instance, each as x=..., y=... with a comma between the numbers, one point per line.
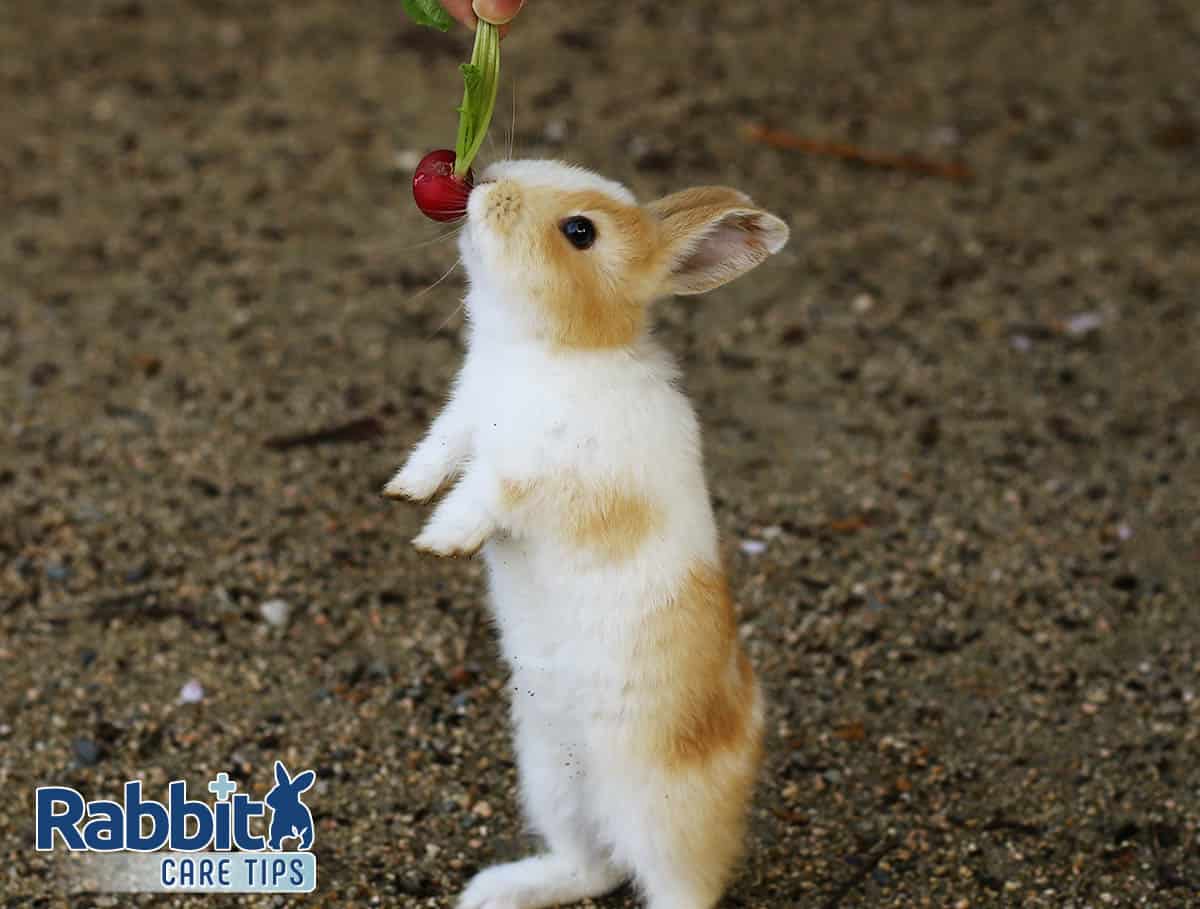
x=638, y=720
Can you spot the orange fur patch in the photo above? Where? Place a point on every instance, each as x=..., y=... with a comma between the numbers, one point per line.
x=611, y=522
x=697, y=197
x=513, y=492
x=703, y=685
x=595, y=298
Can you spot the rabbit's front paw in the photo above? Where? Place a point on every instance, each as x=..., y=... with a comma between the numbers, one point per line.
x=419, y=479
x=454, y=531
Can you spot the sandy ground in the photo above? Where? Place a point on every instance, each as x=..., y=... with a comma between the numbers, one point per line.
x=961, y=419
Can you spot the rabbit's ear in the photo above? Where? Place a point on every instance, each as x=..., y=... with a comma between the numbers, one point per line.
x=304, y=781
x=281, y=774
x=713, y=234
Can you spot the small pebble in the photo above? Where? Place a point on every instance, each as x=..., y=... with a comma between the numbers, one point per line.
x=863, y=304
x=191, y=693
x=87, y=752
x=753, y=547
x=230, y=34
x=1083, y=323
x=276, y=612
x=57, y=571
x=945, y=136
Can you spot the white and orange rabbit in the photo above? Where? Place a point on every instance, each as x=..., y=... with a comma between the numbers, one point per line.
x=638, y=720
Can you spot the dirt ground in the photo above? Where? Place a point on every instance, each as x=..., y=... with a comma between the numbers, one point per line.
x=952, y=432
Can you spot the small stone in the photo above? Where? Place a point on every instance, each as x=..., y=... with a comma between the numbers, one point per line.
x=87, y=752
x=276, y=612
x=863, y=304
x=230, y=34
x=1083, y=323
x=57, y=571
x=945, y=136
x=191, y=693
x=753, y=547
x=556, y=131
x=482, y=809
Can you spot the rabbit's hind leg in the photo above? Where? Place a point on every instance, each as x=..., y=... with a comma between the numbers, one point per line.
x=575, y=866
x=544, y=880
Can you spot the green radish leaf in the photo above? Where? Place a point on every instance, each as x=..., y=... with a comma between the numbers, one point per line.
x=428, y=12
x=472, y=75
x=481, y=78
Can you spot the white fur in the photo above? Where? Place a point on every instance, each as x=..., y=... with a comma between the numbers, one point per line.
x=569, y=619
x=560, y=176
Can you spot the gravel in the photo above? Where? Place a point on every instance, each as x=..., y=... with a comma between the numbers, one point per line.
x=967, y=412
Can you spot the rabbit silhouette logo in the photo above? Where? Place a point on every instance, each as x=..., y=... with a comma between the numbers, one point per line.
x=290, y=817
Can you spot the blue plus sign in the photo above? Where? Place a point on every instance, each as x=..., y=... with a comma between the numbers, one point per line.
x=222, y=786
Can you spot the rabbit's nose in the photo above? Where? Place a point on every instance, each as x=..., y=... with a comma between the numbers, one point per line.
x=503, y=200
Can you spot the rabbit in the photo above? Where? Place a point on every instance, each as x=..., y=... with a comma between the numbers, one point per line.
x=637, y=717
x=290, y=817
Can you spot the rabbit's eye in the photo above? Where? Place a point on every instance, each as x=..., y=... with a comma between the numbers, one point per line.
x=580, y=231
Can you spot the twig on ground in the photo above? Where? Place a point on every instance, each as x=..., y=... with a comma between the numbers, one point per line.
x=359, y=430
x=843, y=151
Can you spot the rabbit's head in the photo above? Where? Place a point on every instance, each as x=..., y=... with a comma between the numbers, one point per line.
x=572, y=259
x=287, y=789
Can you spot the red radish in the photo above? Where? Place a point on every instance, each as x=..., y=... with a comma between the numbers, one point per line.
x=440, y=195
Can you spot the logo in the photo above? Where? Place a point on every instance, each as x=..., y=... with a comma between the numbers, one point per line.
x=290, y=817
x=143, y=845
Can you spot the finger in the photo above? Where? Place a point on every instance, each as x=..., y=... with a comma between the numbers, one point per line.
x=461, y=10
x=497, y=12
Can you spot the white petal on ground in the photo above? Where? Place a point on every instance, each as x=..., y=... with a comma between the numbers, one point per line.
x=276, y=612
x=191, y=693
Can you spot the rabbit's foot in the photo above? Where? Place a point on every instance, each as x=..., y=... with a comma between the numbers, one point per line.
x=546, y=880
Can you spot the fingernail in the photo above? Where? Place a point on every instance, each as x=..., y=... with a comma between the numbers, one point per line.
x=497, y=12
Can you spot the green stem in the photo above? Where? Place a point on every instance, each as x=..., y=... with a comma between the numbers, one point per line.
x=473, y=123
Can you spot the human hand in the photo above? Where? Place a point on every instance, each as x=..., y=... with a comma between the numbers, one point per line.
x=497, y=12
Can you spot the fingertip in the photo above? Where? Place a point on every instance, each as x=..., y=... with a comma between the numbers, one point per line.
x=461, y=10
x=497, y=12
